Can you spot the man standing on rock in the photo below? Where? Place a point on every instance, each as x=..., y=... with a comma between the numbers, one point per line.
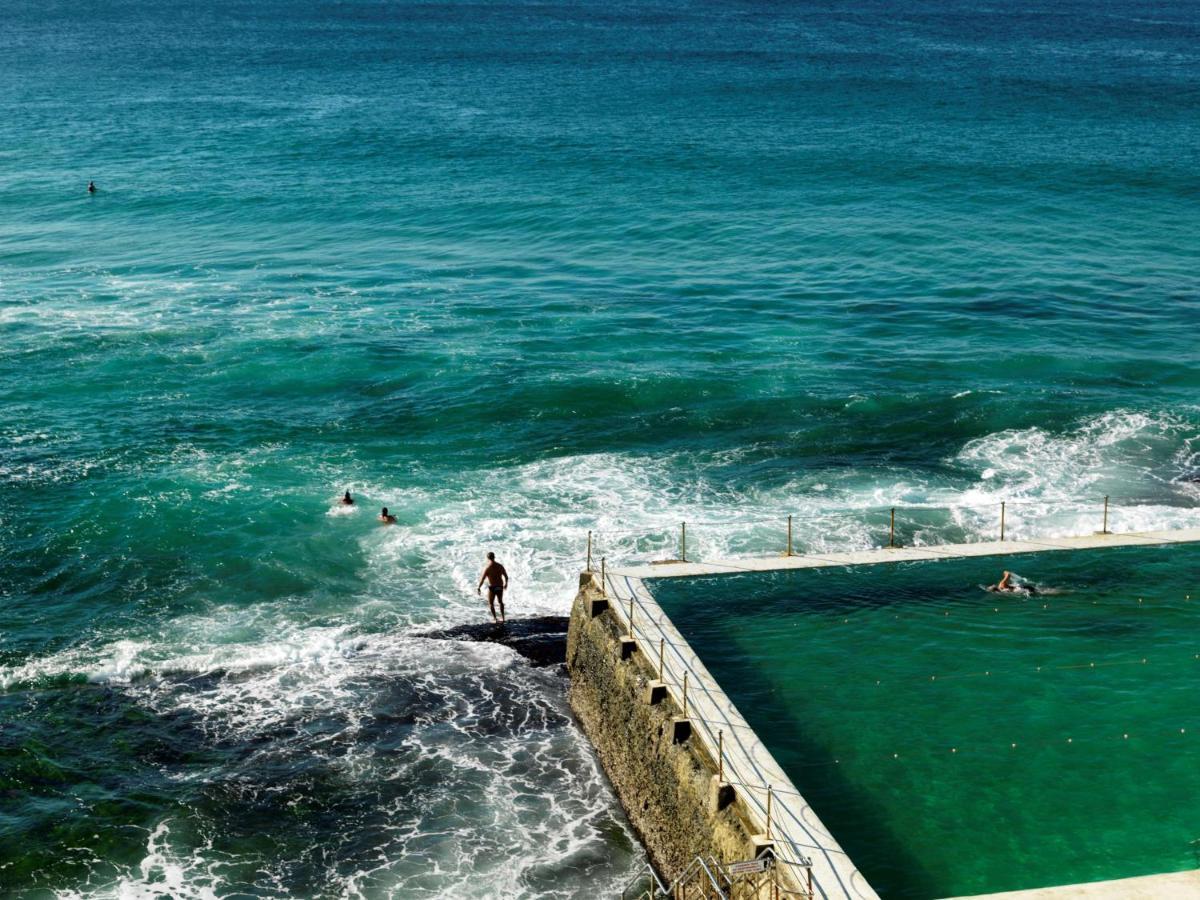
x=497, y=579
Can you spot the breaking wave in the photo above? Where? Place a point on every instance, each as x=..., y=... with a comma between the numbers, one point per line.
x=457, y=767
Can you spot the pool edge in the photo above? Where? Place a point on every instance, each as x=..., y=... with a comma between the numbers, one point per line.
x=667, y=785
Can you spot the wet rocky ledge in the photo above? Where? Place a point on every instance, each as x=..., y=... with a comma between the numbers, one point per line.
x=540, y=639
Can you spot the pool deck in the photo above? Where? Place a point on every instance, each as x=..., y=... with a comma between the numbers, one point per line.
x=1171, y=886
x=907, y=554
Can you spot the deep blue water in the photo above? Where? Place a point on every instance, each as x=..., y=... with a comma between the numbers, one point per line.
x=517, y=271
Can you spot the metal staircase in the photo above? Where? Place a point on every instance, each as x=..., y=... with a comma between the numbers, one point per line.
x=707, y=879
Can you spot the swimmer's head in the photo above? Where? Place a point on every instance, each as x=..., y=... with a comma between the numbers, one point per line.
x=492, y=557
x=385, y=512
x=346, y=496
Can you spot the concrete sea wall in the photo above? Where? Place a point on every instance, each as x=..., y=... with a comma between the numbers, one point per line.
x=665, y=781
x=690, y=771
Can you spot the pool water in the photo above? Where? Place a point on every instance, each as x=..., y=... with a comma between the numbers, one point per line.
x=958, y=741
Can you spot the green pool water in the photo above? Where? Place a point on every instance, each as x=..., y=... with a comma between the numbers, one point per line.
x=894, y=695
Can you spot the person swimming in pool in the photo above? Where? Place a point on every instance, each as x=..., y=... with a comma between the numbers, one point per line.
x=1012, y=583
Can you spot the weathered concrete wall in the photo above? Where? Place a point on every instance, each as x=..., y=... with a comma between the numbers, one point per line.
x=667, y=789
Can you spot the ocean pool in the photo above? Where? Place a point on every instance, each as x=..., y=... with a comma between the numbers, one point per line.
x=958, y=741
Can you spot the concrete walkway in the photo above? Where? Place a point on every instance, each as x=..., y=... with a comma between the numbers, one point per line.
x=907, y=554
x=1171, y=886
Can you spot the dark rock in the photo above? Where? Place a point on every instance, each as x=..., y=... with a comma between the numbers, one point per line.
x=541, y=639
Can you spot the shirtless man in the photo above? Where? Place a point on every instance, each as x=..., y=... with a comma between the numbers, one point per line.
x=1013, y=583
x=497, y=579
x=386, y=517
x=347, y=500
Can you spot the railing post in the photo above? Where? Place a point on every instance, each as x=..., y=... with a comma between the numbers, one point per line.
x=720, y=756
x=892, y=530
x=683, y=541
x=685, y=679
x=603, y=580
x=589, y=558
x=1002, y=505
x=661, y=643
x=789, y=549
x=631, y=615
x=1105, y=529
x=768, y=812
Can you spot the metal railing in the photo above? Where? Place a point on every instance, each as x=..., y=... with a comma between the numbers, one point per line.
x=705, y=878
x=663, y=651
x=645, y=885
x=756, y=791
x=892, y=526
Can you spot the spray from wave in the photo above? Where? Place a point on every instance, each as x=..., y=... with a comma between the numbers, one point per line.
x=413, y=767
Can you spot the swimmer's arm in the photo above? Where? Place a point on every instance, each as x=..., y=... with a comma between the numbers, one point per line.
x=504, y=574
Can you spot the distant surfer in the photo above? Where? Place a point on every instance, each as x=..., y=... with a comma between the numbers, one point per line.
x=497, y=578
x=347, y=500
x=385, y=517
x=91, y=187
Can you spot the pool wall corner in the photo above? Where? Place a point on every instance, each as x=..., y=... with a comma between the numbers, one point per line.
x=665, y=780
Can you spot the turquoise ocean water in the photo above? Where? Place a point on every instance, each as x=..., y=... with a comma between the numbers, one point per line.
x=518, y=270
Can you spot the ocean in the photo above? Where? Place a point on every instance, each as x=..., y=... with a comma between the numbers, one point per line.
x=518, y=271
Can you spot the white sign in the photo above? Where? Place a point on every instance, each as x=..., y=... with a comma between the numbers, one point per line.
x=748, y=866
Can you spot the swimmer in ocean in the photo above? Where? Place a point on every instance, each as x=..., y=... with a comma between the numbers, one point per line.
x=347, y=500
x=91, y=187
x=386, y=517
x=1005, y=583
